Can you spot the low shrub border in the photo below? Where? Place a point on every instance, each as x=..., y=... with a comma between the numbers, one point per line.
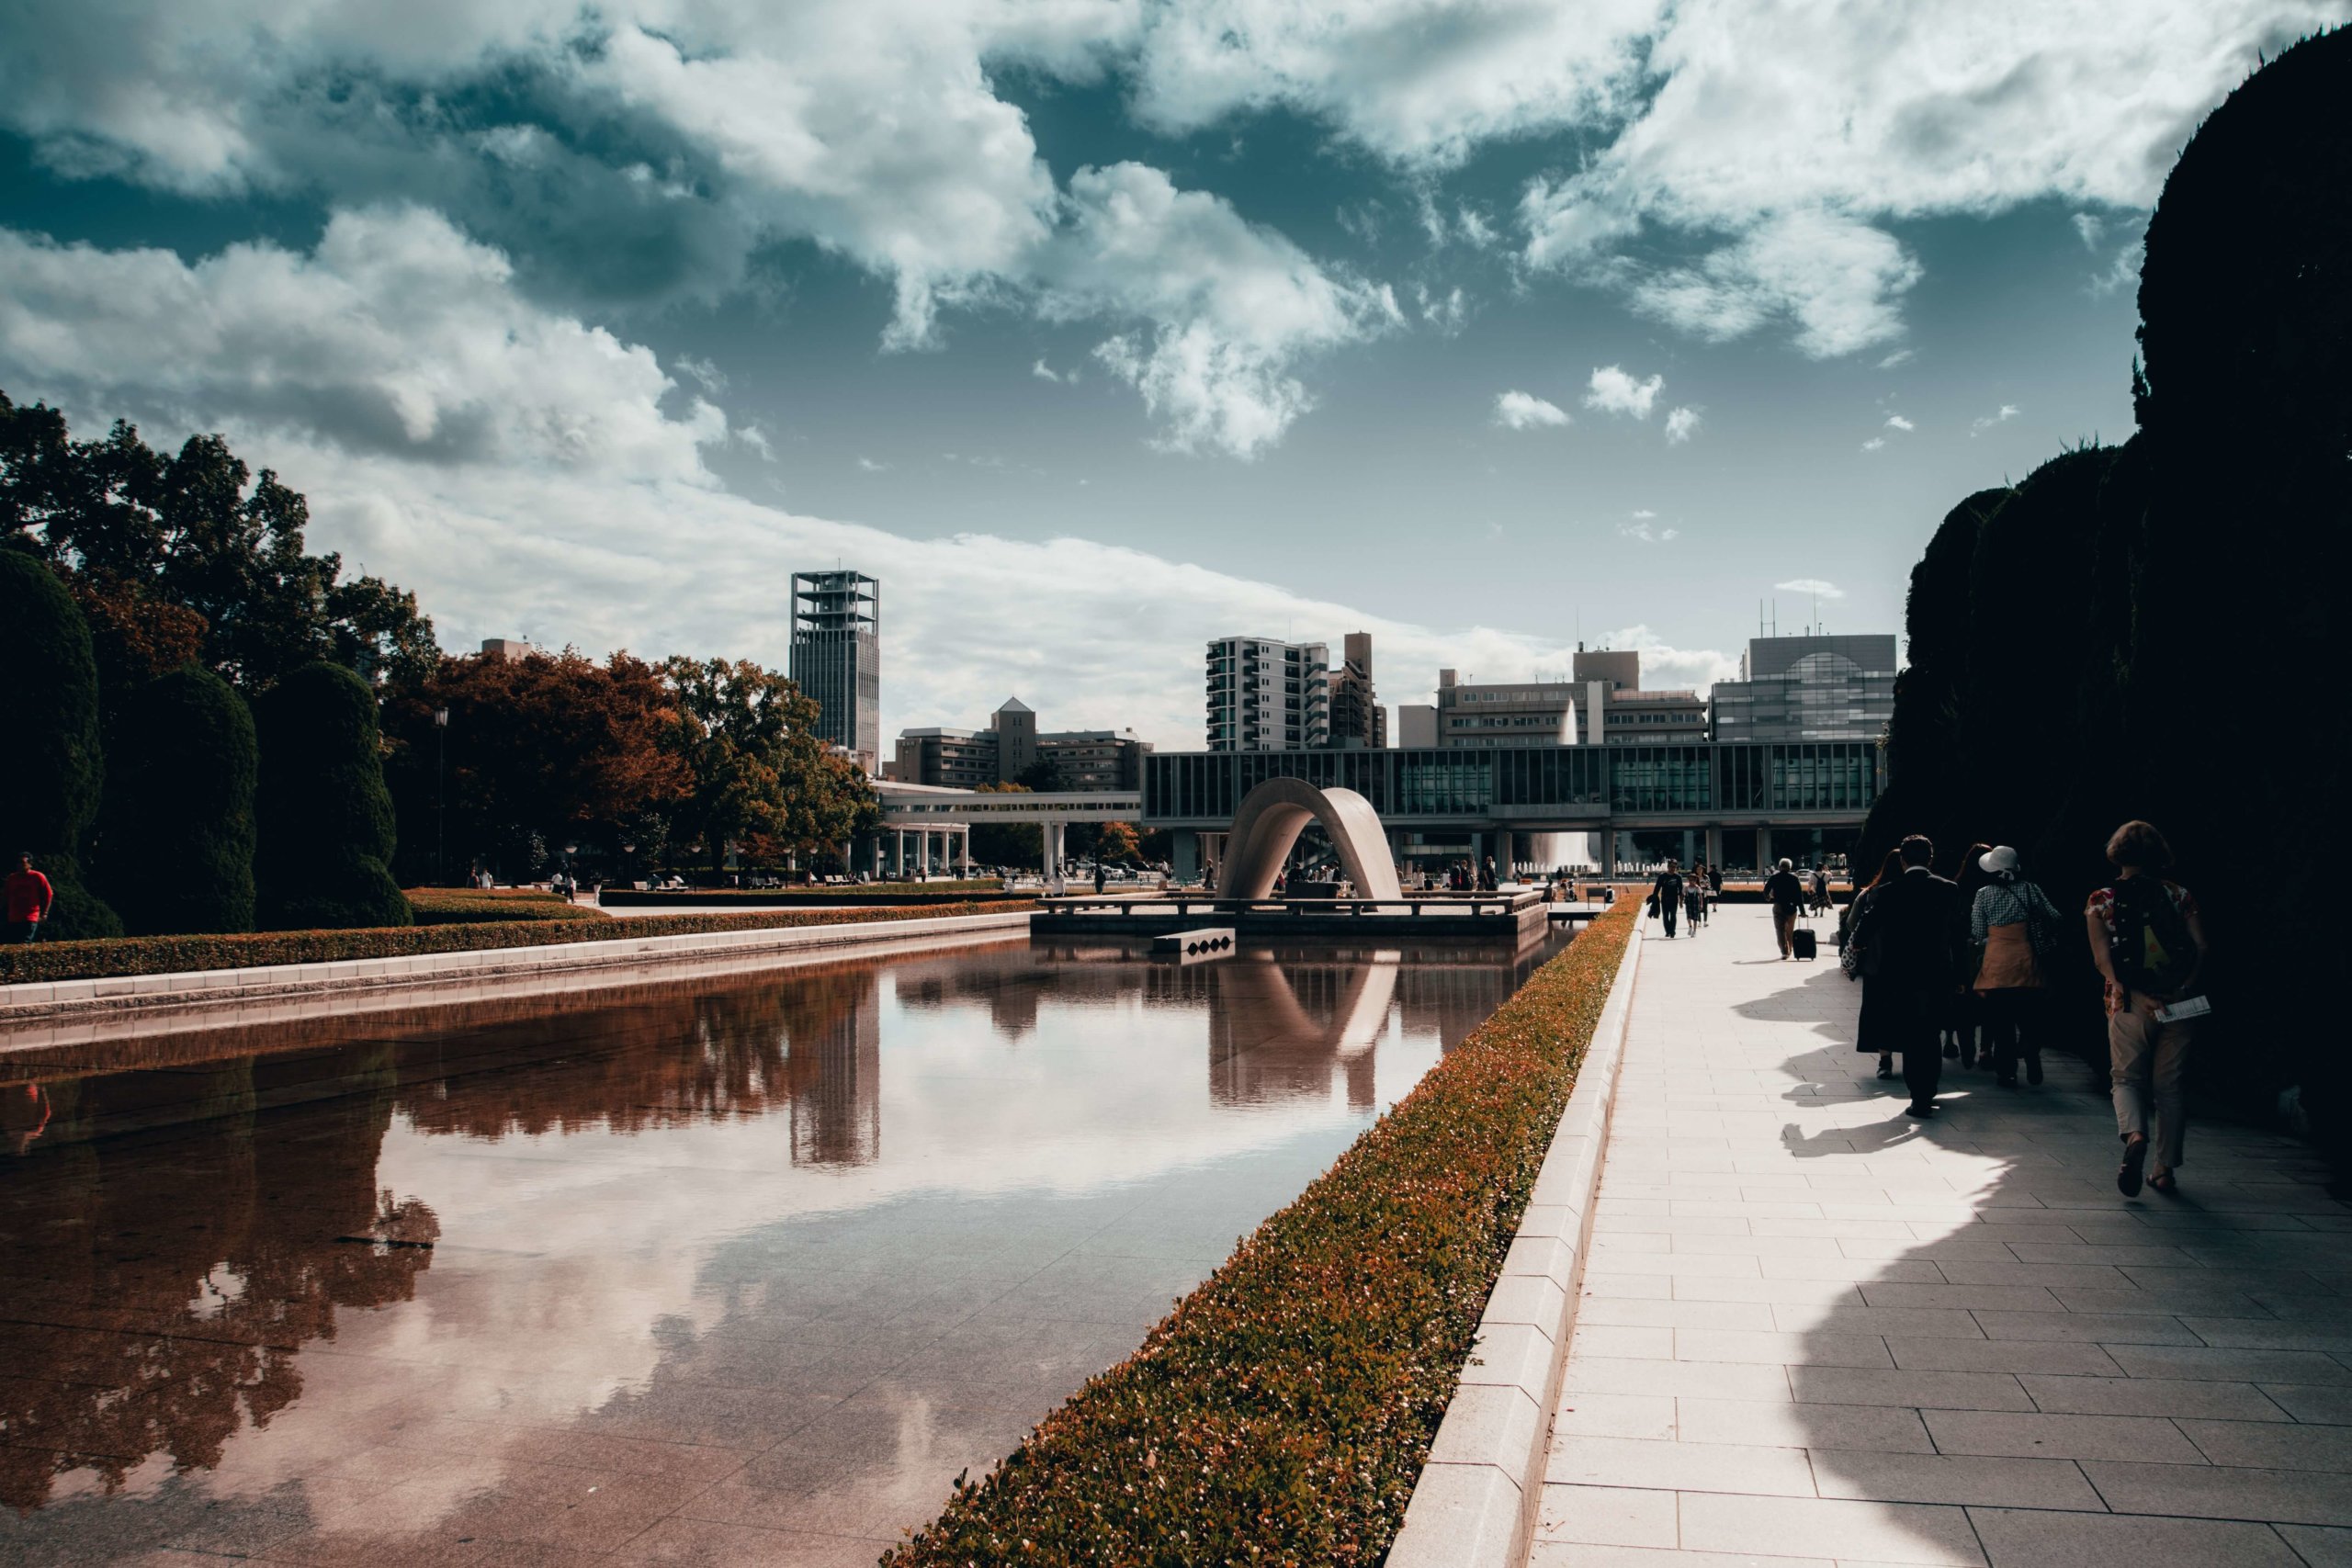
x=472, y=906
x=841, y=893
x=113, y=956
x=1283, y=1411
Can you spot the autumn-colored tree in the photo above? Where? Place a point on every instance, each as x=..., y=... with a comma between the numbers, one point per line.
x=756, y=763
x=1117, y=844
x=539, y=750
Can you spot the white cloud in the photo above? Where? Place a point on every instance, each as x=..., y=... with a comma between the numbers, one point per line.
x=1681, y=424
x=1812, y=585
x=461, y=440
x=1640, y=529
x=1612, y=391
x=1233, y=305
x=1472, y=225
x=1834, y=280
x=705, y=373
x=397, y=334
x=1524, y=411
x=1874, y=442
x=1045, y=372
x=1447, y=312
x=1643, y=512
x=1896, y=421
x=869, y=466
x=1667, y=668
x=2090, y=226
x=1986, y=421
x=1900, y=356
x=2121, y=272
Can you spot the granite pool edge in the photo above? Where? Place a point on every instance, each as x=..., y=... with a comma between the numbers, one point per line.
x=199, y=989
x=1475, y=1502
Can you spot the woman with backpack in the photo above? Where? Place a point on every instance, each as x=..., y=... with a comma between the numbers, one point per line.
x=2014, y=928
x=2148, y=945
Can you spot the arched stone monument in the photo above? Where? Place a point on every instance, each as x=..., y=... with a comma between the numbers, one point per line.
x=1274, y=814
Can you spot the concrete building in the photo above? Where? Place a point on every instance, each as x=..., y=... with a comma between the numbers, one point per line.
x=1416, y=724
x=1268, y=696
x=1619, y=670
x=1088, y=759
x=506, y=648
x=1357, y=721
x=837, y=658
x=1636, y=718
x=1529, y=713
x=1809, y=688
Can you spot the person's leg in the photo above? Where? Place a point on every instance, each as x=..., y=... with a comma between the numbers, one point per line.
x=2169, y=1070
x=1998, y=1012
x=1669, y=909
x=1923, y=1065
x=1783, y=922
x=2128, y=1046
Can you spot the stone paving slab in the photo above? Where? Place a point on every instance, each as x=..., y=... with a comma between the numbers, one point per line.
x=1812, y=1331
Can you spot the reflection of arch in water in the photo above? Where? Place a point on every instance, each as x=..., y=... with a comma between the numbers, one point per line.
x=1274, y=814
x=1267, y=1045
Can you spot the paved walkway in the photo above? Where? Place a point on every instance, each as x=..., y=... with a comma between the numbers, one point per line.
x=1813, y=1332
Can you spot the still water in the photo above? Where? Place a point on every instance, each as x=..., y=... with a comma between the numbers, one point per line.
x=743, y=1269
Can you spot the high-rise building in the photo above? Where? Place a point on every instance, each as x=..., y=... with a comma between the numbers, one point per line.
x=1011, y=746
x=1357, y=721
x=837, y=658
x=1268, y=696
x=1523, y=713
x=1809, y=688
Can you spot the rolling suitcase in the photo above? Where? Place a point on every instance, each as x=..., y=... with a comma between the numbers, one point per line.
x=1802, y=942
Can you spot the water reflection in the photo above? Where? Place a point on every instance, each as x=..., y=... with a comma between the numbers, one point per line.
x=643, y=1262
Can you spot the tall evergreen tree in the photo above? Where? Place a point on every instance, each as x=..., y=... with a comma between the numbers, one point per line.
x=178, y=847
x=326, y=829
x=48, y=713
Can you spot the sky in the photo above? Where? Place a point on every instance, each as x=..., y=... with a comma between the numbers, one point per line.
x=1097, y=329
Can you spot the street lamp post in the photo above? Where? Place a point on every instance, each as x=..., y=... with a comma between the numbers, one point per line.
x=440, y=793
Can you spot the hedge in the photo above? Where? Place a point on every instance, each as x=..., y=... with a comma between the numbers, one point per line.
x=1282, y=1412
x=326, y=820
x=55, y=773
x=177, y=849
x=474, y=905
x=253, y=950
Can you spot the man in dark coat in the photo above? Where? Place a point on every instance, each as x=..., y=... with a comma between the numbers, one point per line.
x=1914, y=959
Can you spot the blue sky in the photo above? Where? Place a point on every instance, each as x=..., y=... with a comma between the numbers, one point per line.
x=1099, y=328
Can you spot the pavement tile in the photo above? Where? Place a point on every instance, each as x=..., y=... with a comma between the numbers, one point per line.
x=1605, y=1515
x=1879, y=1429
x=1988, y=1392
x=2152, y=1396
x=1847, y=1531
x=1681, y=1466
x=2060, y=1437
x=2028, y=1538
x=2224, y=1491
x=1951, y=1478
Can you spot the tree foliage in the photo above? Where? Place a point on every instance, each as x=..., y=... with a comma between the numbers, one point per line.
x=754, y=764
x=163, y=543
x=49, y=711
x=178, y=853
x=1020, y=844
x=326, y=822
x=540, y=750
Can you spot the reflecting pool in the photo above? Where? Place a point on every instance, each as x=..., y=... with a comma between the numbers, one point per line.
x=739, y=1268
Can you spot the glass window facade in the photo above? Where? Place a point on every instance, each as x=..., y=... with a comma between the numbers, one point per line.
x=1591, y=783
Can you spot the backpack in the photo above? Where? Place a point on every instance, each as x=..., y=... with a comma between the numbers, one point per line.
x=2148, y=945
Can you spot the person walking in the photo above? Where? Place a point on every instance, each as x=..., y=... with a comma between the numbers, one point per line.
x=1819, y=888
x=30, y=898
x=1912, y=962
x=1960, y=1026
x=1787, y=895
x=2149, y=944
x=2014, y=929
x=1102, y=876
x=1695, y=900
x=1666, y=897
x=1870, y=1030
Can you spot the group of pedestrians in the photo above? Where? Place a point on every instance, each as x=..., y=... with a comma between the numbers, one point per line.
x=1677, y=894
x=1940, y=963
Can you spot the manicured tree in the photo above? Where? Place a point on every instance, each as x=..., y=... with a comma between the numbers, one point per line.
x=2245, y=305
x=180, y=821
x=325, y=816
x=2029, y=586
x=1923, y=736
x=48, y=713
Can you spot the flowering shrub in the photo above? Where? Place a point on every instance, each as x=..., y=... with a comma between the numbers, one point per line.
x=1282, y=1412
x=253, y=949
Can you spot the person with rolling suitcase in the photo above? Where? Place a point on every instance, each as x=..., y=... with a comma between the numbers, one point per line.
x=1787, y=895
x=1803, y=944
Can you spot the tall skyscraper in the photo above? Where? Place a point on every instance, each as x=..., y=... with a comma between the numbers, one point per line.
x=1268, y=696
x=837, y=658
x=1357, y=721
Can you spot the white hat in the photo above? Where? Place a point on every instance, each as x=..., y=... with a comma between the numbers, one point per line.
x=1999, y=860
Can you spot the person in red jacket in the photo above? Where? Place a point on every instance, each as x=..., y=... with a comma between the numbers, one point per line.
x=29, y=896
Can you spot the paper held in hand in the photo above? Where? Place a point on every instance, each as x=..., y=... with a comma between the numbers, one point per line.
x=2186, y=1008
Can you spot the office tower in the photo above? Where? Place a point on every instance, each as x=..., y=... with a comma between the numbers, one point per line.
x=1357, y=721
x=1809, y=688
x=1268, y=696
x=837, y=658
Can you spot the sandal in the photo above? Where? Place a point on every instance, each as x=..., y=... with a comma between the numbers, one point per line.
x=2127, y=1177
x=2164, y=1182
